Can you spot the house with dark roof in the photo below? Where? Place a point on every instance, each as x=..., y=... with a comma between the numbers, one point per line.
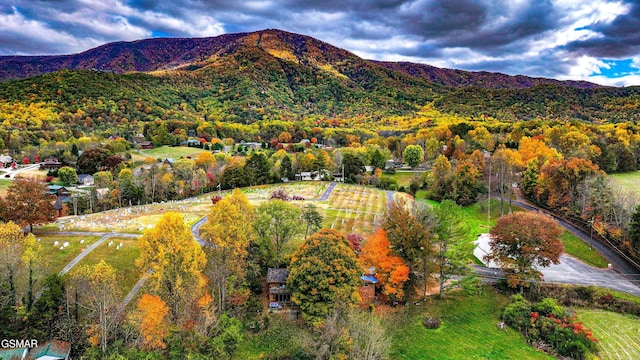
x=51, y=164
x=146, y=145
x=279, y=295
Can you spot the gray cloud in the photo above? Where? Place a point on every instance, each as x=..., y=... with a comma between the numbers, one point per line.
x=536, y=38
x=619, y=38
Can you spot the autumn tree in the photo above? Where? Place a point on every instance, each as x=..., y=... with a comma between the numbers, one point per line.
x=11, y=248
x=522, y=241
x=412, y=155
x=505, y=163
x=390, y=270
x=205, y=160
x=449, y=238
x=101, y=298
x=175, y=261
x=409, y=232
x=68, y=175
x=94, y=160
x=28, y=203
x=560, y=181
x=466, y=185
x=442, y=176
x=323, y=274
x=277, y=222
x=229, y=233
x=150, y=319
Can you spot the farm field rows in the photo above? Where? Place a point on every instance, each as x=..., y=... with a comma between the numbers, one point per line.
x=617, y=334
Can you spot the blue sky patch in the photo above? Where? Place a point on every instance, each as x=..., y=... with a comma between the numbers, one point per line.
x=159, y=34
x=618, y=68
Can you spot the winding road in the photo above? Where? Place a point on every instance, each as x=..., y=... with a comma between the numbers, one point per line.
x=623, y=277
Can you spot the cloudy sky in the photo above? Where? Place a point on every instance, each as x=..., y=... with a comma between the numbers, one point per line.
x=595, y=40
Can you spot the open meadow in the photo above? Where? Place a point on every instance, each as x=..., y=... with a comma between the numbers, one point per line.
x=176, y=152
x=121, y=254
x=617, y=334
x=469, y=330
x=4, y=184
x=53, y=257
x=630, y=180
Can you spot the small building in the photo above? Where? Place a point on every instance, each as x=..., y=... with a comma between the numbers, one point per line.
x=279, y=295
x=5, y=161
x=51, y=164
x=367, y=289
x=50, y=350
x=145, y=145
x=58, y=190
x=86, y=179
x=308, y=176
x=169, y=161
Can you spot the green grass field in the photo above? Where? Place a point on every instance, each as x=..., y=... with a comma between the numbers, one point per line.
x=403, y=178
x=469, y=331
x=55, y=259
x=617, y=334
x=4, y=184
x=172, y=152
x=581, y=250
x=123, y=260
x=629, y=180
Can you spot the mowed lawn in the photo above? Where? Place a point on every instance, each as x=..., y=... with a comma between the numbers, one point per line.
x=469, y=330
x=4, y=184
x=55, y=259
x=123, y=260
x=172, y=152
x=581, y=250
x=403, y=178
x=630, y=180
x=617, y=334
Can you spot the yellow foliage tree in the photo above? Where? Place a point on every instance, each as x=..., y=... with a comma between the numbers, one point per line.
x=174, y=258
x=228, y=229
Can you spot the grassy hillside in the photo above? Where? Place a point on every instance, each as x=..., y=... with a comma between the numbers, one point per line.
x=469, y=331
x=617, y=333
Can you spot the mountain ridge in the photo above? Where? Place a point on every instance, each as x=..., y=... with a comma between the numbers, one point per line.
x=157, y=54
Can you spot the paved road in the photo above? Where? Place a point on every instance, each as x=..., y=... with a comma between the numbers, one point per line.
x=88, y=249
x=574, y=272
x=328, y=191
x=389, y=198
x=620, y=265
x=133, y=292
x=195, y=230
x=13, y=172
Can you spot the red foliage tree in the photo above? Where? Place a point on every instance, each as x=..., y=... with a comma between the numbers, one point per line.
x=522, y=240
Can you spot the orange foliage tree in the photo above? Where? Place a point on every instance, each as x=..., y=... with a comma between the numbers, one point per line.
x=390, y=270
x=151, y=321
